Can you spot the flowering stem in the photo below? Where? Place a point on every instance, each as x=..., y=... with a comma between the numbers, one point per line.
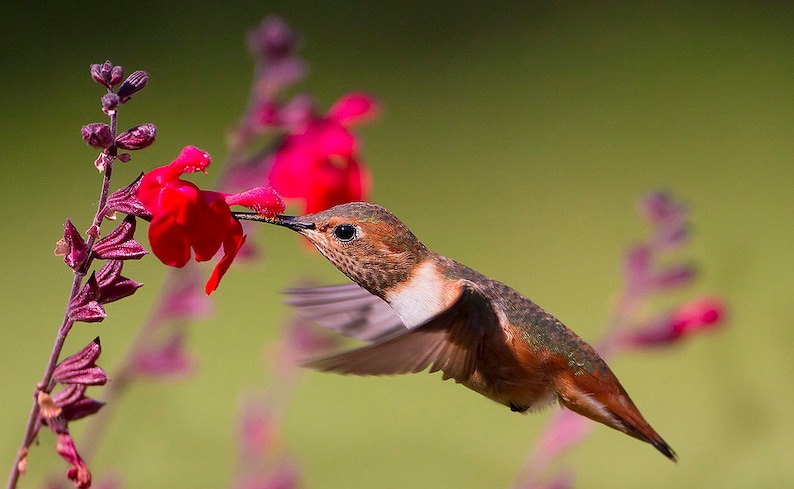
x=46, y=385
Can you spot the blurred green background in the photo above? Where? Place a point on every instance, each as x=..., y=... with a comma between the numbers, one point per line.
x=515, y=137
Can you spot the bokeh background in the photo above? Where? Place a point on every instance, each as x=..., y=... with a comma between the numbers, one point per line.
x=516, y=137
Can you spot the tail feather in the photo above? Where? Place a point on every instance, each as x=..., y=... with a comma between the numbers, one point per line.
x=608, y=403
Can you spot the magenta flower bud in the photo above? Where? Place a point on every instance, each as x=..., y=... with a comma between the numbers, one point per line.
x=72, y=247
x=673, y=236
x=660, y=207
x=133, y=84
x=126, y=200
x=110, y=102
x=84, y=306
x=272, y=39
x=116, y=75
x=112, y=285
x=81, y=368
x=97, y=135
x=636, y=266
x=119, y=244
x=137, y=137
x=672, y=277
x=101, y=73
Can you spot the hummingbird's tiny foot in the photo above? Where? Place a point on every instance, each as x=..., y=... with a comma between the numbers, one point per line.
x=518, y=409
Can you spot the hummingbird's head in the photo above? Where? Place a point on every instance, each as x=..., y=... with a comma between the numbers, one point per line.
x=364, y=241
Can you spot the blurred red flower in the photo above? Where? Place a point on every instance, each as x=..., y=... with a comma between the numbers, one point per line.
x=701, y=314
x=184, y=217
x=318, y=162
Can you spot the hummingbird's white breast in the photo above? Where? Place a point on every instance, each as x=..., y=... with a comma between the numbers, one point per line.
x=421, y=297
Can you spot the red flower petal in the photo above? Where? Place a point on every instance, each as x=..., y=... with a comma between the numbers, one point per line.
x=231, y=246
x=262, y=200
x=169, y=241
x=209, y=225
x=191, y=159
x=354, y=107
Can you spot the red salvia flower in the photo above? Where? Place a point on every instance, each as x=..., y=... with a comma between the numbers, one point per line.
x=318, y=162
x=186, y=218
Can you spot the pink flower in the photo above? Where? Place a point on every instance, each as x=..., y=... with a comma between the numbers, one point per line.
x=700, y=314
x=318, y=162
x=186, y=218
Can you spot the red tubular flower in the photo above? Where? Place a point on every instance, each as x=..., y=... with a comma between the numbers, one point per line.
x=184, y=217
x=699, y=314
x=319, y=163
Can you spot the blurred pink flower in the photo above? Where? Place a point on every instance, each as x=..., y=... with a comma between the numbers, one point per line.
x=165, y=359
x=700, y=314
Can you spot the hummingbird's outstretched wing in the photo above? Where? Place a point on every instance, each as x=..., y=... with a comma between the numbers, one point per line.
x=450, y=341
x=348, y=309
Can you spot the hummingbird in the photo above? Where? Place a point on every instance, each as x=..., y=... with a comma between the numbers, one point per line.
x=419, y=309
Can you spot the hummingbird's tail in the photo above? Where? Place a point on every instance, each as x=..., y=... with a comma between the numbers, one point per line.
x=610, y=404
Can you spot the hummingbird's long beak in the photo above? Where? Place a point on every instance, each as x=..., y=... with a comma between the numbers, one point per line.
x=291, y=222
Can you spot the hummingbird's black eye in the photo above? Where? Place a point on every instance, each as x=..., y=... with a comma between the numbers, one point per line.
x=345, y=232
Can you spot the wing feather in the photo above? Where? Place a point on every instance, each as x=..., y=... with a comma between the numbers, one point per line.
x=348, y=309
x=450, y=341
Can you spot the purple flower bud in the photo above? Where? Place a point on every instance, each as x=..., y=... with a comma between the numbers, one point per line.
x=672, y=237
x=112, y=285
x=636, y=266
x=81, y=368
x=110, y=102
x=660, y=207
x=134, y=83
x=137, y=137
x=119, y=244
x=97, y=135
x=116, y=75
x=72, y=247
x=101, y=73
x=124, y=157
x=126, y=200
x=672, y=277
x=272, y=39
x=84, y=306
